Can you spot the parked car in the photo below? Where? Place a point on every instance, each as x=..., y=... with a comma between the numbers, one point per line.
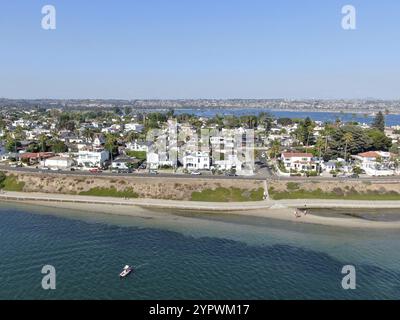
x=124, y=171
x=153, y=172
x=353, y=176
x=230, y=174
x=196, y=173
x=95, y=170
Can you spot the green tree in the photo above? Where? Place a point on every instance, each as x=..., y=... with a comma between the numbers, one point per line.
x=111, y=145
x=12, y=145
x=58, y=146
x=275, y=149
x=305, y=132
x=43, y=141
x=379, y=122
x=2, y=179
x=361, y=142
x=347, y=138
x=19, y=133
x=379, y=141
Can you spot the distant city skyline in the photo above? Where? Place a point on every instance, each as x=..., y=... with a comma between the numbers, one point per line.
x=200, y=50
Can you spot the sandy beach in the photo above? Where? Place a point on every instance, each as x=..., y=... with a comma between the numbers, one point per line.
x=281, y=210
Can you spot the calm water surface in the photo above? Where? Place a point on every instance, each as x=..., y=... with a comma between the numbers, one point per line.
x=391, y=119
x=189, y=256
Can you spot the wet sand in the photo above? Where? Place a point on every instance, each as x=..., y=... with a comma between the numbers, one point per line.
x=149, y=208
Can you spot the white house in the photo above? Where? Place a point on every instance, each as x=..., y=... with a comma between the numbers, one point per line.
x=138, y=146
x=229, y=162
x=57, y=163
x=196, y=161
x=368, y=161
x=99, y=140
x=123, y=163
x=160, y=159
x=298, y=161
x=92, y=158
x=134, y=127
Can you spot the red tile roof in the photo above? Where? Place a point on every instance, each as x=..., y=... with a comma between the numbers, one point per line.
x=34, y=155
x=369, y=154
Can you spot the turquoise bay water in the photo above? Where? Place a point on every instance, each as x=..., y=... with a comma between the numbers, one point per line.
x=189, y=256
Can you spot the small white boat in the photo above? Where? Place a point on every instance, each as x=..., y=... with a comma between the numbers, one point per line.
x=126, y=271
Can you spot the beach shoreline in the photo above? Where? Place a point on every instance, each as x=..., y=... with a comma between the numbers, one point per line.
x=279, y=210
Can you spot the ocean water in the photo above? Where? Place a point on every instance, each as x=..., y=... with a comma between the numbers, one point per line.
x=189, y=256
x=391, y=119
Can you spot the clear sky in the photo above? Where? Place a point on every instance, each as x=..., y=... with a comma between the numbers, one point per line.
x=158, y=49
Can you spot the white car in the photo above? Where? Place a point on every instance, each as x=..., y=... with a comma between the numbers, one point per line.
x=196, y=173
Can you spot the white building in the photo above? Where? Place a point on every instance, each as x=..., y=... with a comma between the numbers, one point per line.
x=99, y=140
x=369, y=162
x=122, y=163
x=61, y=163
x=156, y=160
x=134, y=127
x=229, y=162
x=196, y=161
x=92, y=158
x=138, y=146
x=298, y=161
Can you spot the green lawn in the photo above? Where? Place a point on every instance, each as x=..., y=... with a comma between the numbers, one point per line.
x=319, y=194
x=11, y=183
x=228, y=195
x=110, y=192
x=141, y=155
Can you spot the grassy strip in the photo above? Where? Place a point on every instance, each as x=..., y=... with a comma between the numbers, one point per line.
x=110, y=192
x=228, y=195
x=11, y=183
x=141, y=155
x=319, y=194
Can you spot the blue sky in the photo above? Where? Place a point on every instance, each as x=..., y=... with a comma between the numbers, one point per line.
x=171, y=49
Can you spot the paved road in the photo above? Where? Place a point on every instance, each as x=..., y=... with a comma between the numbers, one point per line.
x=263, y=176
x=144, y=175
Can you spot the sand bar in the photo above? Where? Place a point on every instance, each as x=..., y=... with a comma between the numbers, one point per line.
x=281, y=210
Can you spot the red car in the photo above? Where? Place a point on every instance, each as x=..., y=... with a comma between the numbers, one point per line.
x=95, y=170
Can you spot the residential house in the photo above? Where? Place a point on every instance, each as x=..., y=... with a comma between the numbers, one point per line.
x=57, y=162
x=124, y=163
x=196, y=161
x=138, y=146
x=35, y=157
x=298, y=161
x=375, y=163
x=93, y=158
x=136, y=127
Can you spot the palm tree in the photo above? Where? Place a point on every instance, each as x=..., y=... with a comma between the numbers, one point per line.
x=275, y=149
x=88, y=134
x=327, y=133
x=110, y=145
x=347, y=138
x=43, y=142
x=320, y=144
